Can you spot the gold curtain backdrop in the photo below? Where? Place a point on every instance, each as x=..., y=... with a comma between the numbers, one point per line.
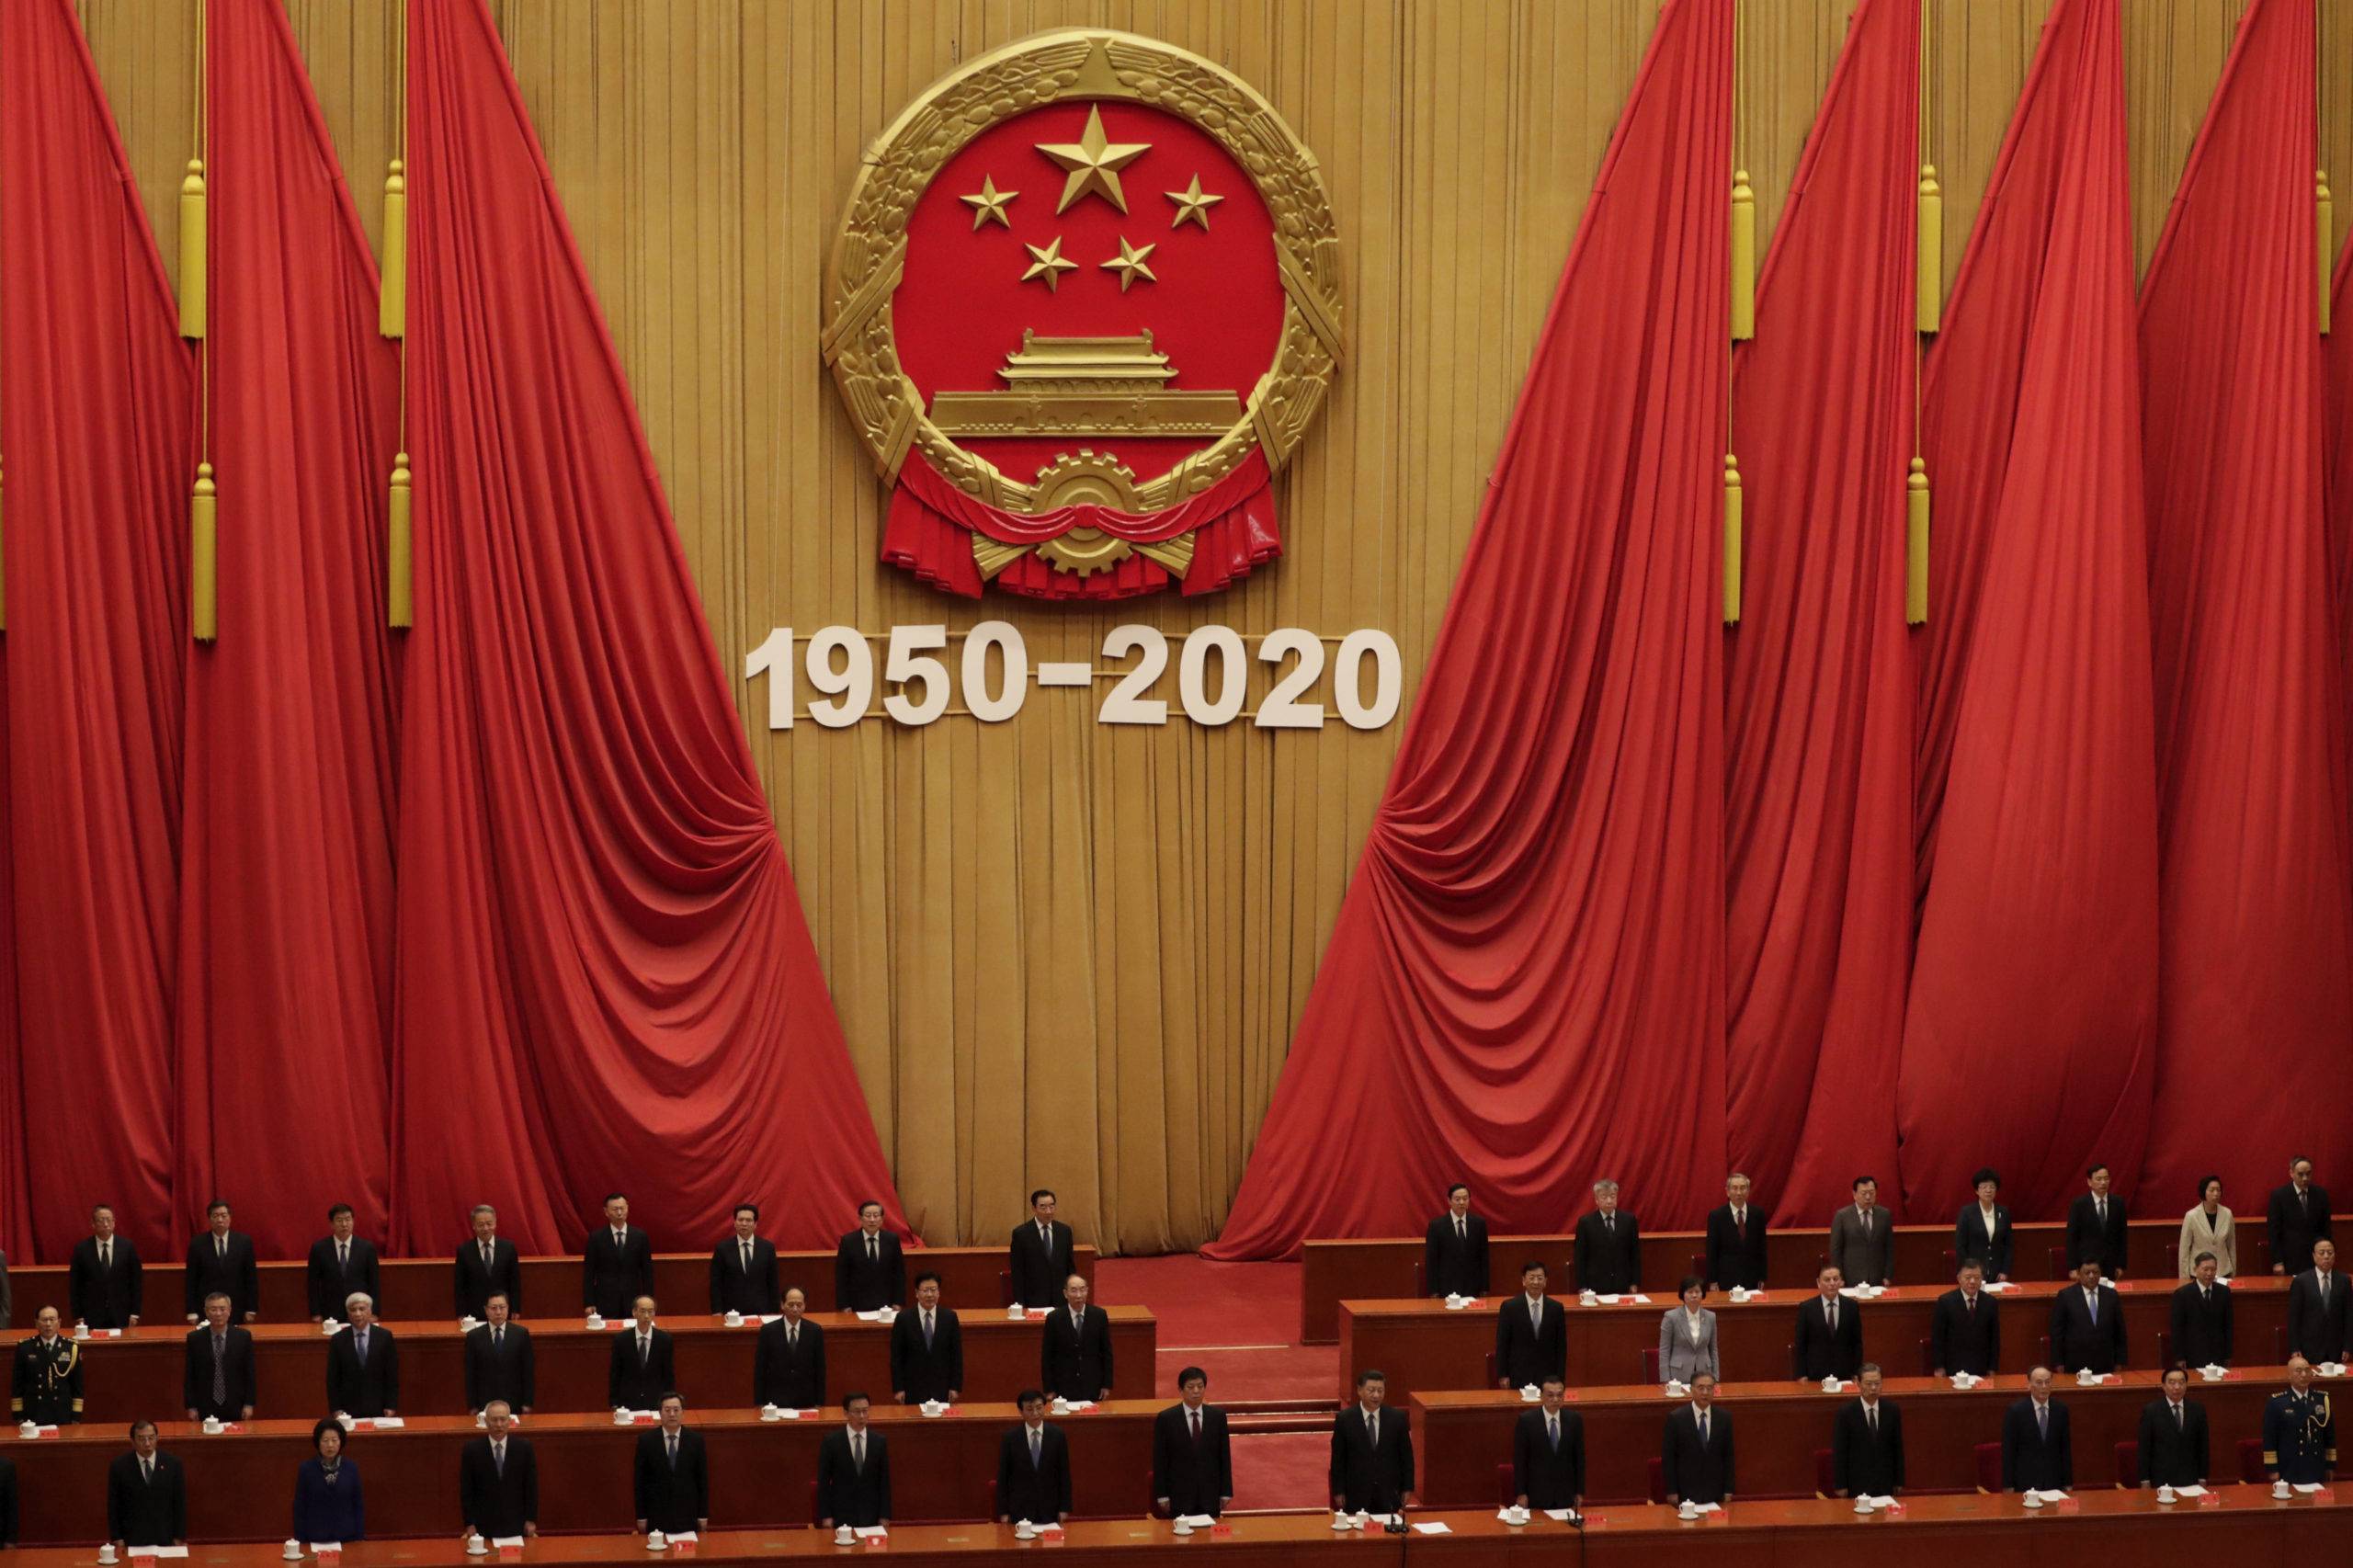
x=1067, y=954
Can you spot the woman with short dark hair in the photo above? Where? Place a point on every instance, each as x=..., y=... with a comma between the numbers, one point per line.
x=326, y=1490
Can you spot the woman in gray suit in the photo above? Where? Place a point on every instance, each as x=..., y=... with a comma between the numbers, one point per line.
x=1687, y=1336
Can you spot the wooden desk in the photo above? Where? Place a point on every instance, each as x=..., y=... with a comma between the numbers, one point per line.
x=241, y=1485
x=1387, y=1267
x=419, y=1288
x=1421, y=1345
x=1461, y=1438
x=2242, y=1524
x=139, y=1373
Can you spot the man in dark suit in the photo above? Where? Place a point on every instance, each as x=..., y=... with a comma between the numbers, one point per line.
x=499, y=1481
x=1862, y=1237
x=363, y=1364
x=927, y=1348
x=1828, y=1341
x=644, y=1365
x=788, y=1362
x=147, y=1494
x=2172, y=1436
x=1965, y=1331
x=617, y=1265
x=1033, y=1468
x=498, y=1360
x=1075, y=1355
x=1192, y=1457
x=341, y=1262
x=2037, y=1455
x=1609, y=1246
x=218, y=1378
x=673, y=1480
x=1735, y=1240
x=1042, y=1252
x=1695, y=1459
x=1454, y=1249
x=743, y=1268
x=2203, y=1334
x=222, y=1259
x=1984, y=1231
x=853, y=1470
x=2320, y=1310
x=1372, y=1452
x=2087, y=1324
x=2296, y=1217
x=869, y=1269
x=485, y=1264
x=105, y=1283
x=1548, y=1453
x=2095, y=1226
x=1866, y=1443
x=7, y=1501
x=1532, y=1333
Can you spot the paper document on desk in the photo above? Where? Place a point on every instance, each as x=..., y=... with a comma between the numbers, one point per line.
x=1437, y=1527
x=869, y=1532
x=2190, y=1490
x=1559, y=1515
x=2306, y=1488
x=1197, y=1521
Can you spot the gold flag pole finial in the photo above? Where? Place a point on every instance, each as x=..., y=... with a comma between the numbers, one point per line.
x=2327, y=226
x=392, y=296
x=1915, y=544
x=1743, y=258
x=1732, y=539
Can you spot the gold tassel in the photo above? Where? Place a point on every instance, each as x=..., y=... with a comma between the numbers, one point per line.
x=2327, y=243
x=1931, y=252
x=204, y=571
x=1916, y=545
x=192, y=250
x=1732, y=539
x=391, y=299
x=1743, y=258
x=398, y=559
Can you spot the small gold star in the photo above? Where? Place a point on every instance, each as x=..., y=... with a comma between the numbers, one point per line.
x=1049, y=264
x=1130, y=265
x=990, y=202
x=1191, y=205
x=1094, y=162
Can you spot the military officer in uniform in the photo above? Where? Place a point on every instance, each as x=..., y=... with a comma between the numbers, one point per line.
x=46, y=1388
x=2299, y=1438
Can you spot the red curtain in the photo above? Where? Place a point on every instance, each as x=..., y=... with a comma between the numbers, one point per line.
x=285, y=879
x=2256, y=971
x=1817, y=695
x=605, y=978
x=1526, y=982
x=2027, y=1042
x=2339, y=354
x=95, y=400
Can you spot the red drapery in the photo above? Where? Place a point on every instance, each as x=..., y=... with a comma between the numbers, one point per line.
x=605, y=980
x=95, y=402
x=286, y=883
x=2339, y=354
x=1817, y=698
x=2026, y=1042
x=1527, y=977
x=2255, y=971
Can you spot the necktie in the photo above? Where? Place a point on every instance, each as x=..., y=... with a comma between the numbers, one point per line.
x=485, y=1257
x=220, y=1246
x=2091, y=1305
x=673, y=1450
x=1553, y=1430
x=1703, y=1428
x=147, y=1471
x=2043, y=1419
x=792, y=1336
x=105, y=1254
x=1867, y=1222
x=926, y=1328
x=1372, y=1427
x=498, y=1457
x=617, y=1239
x=1609, y=1223
x=1037, y=1446
x=2324, y=1289
x=1833, y=1305
x=2176, y=1416
x=1870, y=1417
x=1460, y=1233
x=2099, y=1205
x=747, y=1257
x=857, y=1450
x=1968, y=1304
x=1078, y=1318
x=342, y=1256
x=359, y=1344
x=220, y=1369
x=873, y=1249
x=2205, y=1295
x=497, y=1337
x=644, y=1348
x=1740, y=1221
x=1196, y=1427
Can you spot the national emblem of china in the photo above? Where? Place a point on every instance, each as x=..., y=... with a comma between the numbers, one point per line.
x=1084, y=306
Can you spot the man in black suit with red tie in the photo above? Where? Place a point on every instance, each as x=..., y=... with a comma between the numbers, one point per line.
x=1074, y=1356
x=617, y=1265
x=222, y=1259
x=1735, y=1240
x=2095, y=1227
x=1042, y=1252
x=1192, y=1456
x=487, y=1264
x=341, y=1262
x=1532, y=1333
x=1548, y=1453
x=1454, y=1249
x=2087, y=1324
x=105, y=1283
x=869, y=1269
x=788, y=1362
x=498, y=1360
x=743, y=1268
x=1828, y=1342
x=1372, y=1452
x=644, y=1365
